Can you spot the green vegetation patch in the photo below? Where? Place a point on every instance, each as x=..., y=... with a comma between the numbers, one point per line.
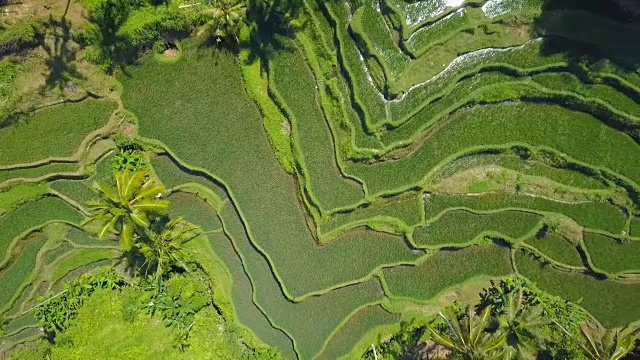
x=446, y=268
x=247, y=312
x=77, y=258
x=634, y=227
x=38, y=171
x=51, y=255
x=101, y=329
x=461, y=226
x=563, y=176
x=32, y=214
x=292, y=77
x=343, y=340
x=181, y=116
x=324, y=311
x=194, y=209
x=557, y=247
x=80, y=237
x=612, y=255
x=19, y=270
x=536, y=124
x=77, y=190
x=619, y=309
x=594, y=215
x=171, y=175
x=55, y=131
x=407, y=208
x=22, y=321
x=21, y=193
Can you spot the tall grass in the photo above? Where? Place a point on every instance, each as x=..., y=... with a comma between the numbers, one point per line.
x=32, y=214
x=558, y=248
x=445, y=269
x=53, y=131
x=611, y=302
x=494, y=125
x=611, y=255
x=19, y=270
x=595, y=215
x=324, y=311
x=461, y=226
x=292, y=77
x=342, y=342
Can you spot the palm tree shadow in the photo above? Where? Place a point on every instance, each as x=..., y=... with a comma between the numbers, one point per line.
x=61, y=68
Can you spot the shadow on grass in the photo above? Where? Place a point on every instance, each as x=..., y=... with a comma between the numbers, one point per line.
x=587, y=31
x=60, y=56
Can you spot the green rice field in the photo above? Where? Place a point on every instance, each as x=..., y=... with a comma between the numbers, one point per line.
x=360, y=164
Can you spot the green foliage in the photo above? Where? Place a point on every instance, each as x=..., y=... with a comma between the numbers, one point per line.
x=8, y=73
x=162, y=244
x=468, y=335
x=405, y=343
x=598, y=343
x=131, y=160
x=99, y=330
x=56, y=313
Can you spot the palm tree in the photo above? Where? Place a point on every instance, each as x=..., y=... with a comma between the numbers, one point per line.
x=468, y=335
x=162, y=247
x=126, y=207
x=225, y=19
x=599, y=343
x=522, y=326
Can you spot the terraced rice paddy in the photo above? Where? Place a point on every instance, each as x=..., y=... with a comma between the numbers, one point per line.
x=379, y=104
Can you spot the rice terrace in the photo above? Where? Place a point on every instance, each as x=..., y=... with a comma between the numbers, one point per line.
x=320, y=179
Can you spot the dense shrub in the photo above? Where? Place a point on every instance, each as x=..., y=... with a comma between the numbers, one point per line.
x=54, y=314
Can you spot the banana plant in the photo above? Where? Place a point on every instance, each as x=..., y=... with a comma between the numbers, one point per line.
x=125, y=207
x=598, y=343
x=469, y=335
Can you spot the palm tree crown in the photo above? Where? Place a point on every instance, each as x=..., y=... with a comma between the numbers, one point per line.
x=225, y=19
x=126, y=206
x=468, y=335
